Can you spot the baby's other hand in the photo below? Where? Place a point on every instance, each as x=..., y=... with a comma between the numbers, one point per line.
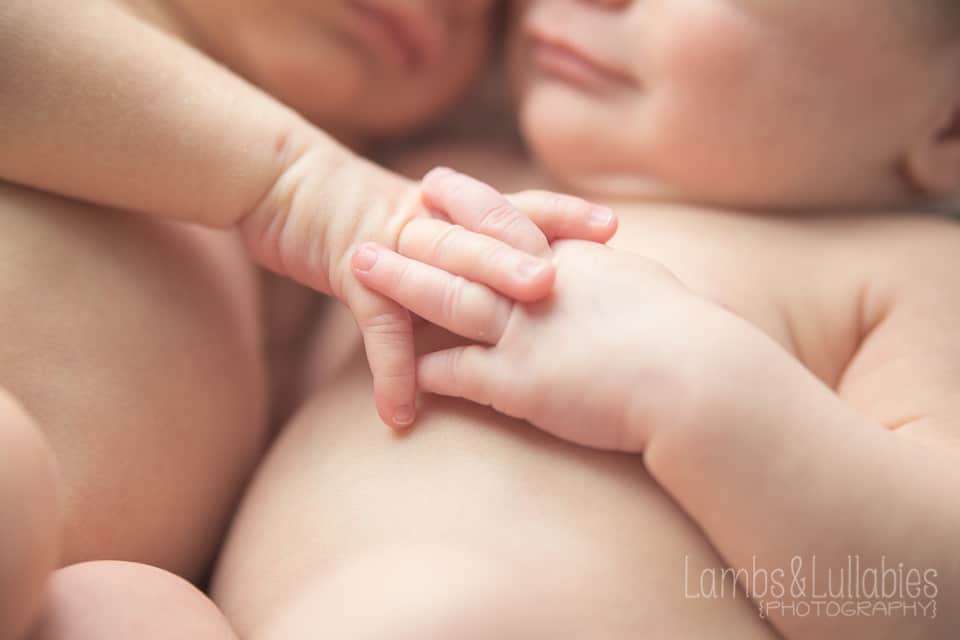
x=468, y=229
x=503, y=241
x=612, y=353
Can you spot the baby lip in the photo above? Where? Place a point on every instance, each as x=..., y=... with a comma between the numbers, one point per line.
x=542, y=29
x=599, y=68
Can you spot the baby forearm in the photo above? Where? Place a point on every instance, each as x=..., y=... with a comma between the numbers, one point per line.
x=98, y=105
x=781, y=474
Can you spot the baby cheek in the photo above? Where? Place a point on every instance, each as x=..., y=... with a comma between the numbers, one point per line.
x=709, y=103
x=702, y=46
x=706, y=71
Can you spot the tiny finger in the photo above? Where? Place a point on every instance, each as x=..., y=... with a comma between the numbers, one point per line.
x=479, y=207
x=566, y=217
x=466, y=308
x=388, y=338
x=467, y=372
x=479, y=258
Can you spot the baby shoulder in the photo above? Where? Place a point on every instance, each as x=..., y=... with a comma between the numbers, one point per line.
x=921, y=250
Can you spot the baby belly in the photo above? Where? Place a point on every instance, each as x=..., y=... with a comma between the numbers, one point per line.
x=473, y=524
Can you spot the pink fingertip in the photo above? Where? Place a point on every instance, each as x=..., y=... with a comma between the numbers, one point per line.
x=403, y=417
x=438, y=172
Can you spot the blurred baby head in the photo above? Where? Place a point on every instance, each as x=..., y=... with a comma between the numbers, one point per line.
x=745, y=103
x=357, y=67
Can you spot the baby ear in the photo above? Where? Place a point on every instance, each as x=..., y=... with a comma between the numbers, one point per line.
x=933, y=164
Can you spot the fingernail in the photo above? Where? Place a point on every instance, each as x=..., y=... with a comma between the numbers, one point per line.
x=600, y=216
x=439, y=172
x=403, y=416
x=530, y=268
x=365, y=258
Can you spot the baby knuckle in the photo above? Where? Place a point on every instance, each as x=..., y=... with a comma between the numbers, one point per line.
x=555, y=203
x=387, y=324
x=451, y=369
x=445, y=241
x=412, y=234
x=572, y=206
x=500, y=216
x=564, y=206
x=400, y=274
x=397, y=372
x=451, y=364
x=494, y=253
x=452, y=298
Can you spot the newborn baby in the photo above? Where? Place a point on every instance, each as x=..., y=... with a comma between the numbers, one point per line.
x=774, y=329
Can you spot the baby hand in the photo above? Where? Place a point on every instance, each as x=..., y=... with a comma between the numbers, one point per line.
x=450, y=221
x=610, y=354
x=476, y=233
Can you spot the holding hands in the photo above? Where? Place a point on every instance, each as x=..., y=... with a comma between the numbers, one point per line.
x=596, y=362
x=452, y=223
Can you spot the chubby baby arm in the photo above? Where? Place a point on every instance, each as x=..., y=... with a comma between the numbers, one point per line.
x=97, y=105
x=777, y=469
x=101, y=106
x=789, y=480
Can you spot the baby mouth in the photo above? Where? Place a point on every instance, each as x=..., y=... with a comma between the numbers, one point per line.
x=561, y=59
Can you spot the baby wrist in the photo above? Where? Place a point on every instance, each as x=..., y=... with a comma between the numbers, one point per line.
x=717, y=382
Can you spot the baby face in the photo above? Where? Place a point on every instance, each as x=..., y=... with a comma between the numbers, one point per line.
x=741, y=103
x=356, y=67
